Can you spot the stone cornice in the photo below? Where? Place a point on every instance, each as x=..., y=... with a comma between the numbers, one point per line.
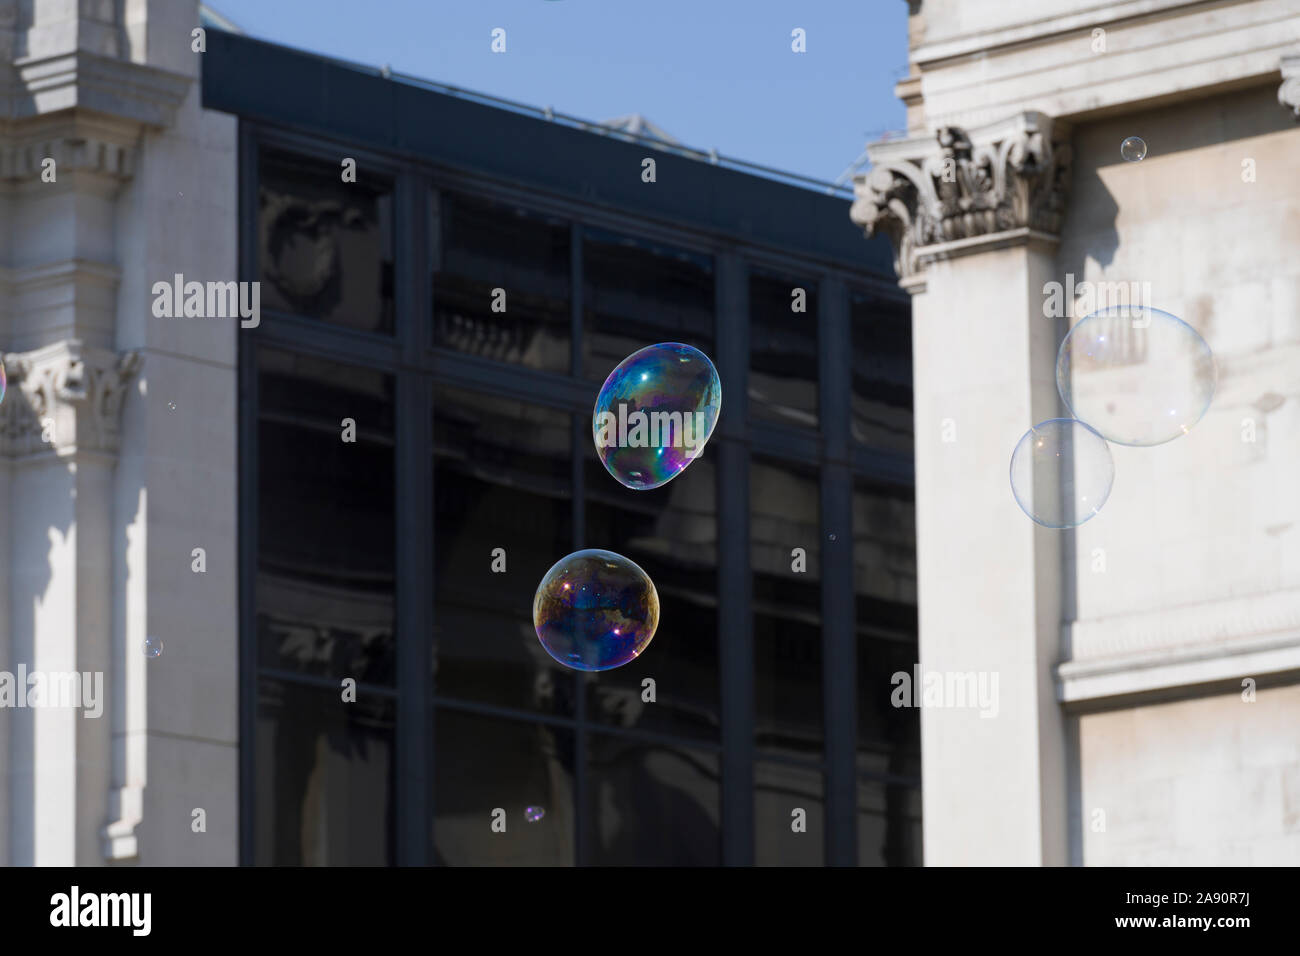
x=1102, y=15
x=63, y=399
x=141, y=94
x=1153, y=652
x=937, y=197
x=1107, y=60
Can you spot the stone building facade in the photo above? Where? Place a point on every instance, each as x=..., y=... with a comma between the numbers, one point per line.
x=105, y=488
x=1150, y=659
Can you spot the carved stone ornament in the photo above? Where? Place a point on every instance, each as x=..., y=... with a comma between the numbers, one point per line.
x=64, y=397
x=922, y=192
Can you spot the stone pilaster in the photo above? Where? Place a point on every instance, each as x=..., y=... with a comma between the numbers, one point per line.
x=974, y=217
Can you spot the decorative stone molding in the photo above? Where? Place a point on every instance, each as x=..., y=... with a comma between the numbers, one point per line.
x=71, y=154
x=1150, y=652
x=64, y=398
x=1288, y=93
x=99, y=83
x=930, y=194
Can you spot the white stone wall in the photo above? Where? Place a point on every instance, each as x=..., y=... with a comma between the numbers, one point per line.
x=1210, y=782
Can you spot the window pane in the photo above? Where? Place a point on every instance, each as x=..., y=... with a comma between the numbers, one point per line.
x=672, y=534
x=780, y=790
x=326, y=528
x=501, y=480
x=637, y=293
x=784, y=515
x=889, y=824
x=651, y=804
x=325, y=247
x=783, y=350
x=487, y=246
x=882, y=373
x=324, y=778
x=884, y=583
x=485, y=763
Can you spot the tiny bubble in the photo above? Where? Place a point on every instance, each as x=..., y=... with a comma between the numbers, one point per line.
x=153, y=647
x=533, y=814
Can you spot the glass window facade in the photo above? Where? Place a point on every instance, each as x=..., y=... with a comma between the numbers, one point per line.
x=468, y=366
x=501, y=289
x=325, y=247
x=783, y=339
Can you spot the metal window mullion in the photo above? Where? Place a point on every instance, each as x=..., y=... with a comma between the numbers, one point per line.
x=735, y=581
x=413, y=515
x=839, y=651
x=247, y=471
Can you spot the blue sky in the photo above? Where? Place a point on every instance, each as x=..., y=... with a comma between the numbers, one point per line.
x=713, y=73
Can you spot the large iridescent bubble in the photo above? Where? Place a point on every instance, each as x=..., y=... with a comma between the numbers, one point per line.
x=3, y=381
x=654, y=414
x=1136, y=375
x=595, y=610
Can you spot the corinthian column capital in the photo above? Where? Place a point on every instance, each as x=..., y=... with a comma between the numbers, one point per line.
x=961, y=190
x=64, y=398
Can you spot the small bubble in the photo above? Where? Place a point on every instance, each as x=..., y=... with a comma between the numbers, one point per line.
x=1133, y=149
x=533, y=814
x=171, y=406
x=831, y=536
x=153, y=647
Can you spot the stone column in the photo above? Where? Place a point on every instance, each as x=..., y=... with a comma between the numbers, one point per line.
x=974, y=217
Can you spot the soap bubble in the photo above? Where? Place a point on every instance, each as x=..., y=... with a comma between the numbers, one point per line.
x=654, y=414
x=1061, y=473
x=171, y=406
x=153, y=647
x=1135, y=375
x=1133, y=149
x=3, y=381
x=533, y=814
x=595, y=610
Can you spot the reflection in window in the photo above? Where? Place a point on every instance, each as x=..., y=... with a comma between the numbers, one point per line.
x=672, y=534
x=779, y=791
x=324, y=778
x=889, y=824
x=783, y=350
x=884, y=584
x=486, y=247
x=325, y=247
x=326, y=530
x=652, y=804
x=501, y=480
x=637, y=293
x=785, y=516
x=882, y=373
x=485, y=763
